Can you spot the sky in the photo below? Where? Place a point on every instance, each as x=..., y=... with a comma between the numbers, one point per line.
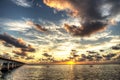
x=33, y=30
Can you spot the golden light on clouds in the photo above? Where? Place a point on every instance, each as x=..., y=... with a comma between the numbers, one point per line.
x=62, y=5
x=113, y=22
x=58, y=4
x=74, y=33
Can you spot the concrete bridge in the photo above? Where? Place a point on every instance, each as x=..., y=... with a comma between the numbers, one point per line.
x=7, y=64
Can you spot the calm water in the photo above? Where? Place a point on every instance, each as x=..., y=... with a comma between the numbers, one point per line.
x=64, y=72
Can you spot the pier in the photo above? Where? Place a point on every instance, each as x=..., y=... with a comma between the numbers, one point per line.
x=7, y=64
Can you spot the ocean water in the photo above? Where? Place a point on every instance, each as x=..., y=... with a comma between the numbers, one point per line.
x=64, y=72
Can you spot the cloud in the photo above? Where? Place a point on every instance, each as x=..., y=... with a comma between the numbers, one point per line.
x=15, y=25
x=59, y=5
x=83, y=56
x=11, y=40
x=86, y=57
x=16, y=42
x=55, y=40
x=74, y=30
x=7, y=44
x=36, y=26
x=47, y=55
x=90, y=14
x=23, y=3
x=29, y=58
x=117, y=47
x=90, y=58
x=91, y=52
x=115, y=39
x=98, y=57
x=101, y=50
x=20, y=53
x=87, y=30
x=109, y=56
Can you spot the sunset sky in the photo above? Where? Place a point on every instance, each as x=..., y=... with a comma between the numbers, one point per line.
x=30, y=28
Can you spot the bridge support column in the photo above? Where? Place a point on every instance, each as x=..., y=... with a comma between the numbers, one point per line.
x=5, y=67
x=7, y=64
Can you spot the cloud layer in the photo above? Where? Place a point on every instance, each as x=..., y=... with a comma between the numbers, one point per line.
x=55, y=41
x=94, y=16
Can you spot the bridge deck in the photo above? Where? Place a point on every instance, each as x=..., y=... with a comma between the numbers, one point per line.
x=7, y=64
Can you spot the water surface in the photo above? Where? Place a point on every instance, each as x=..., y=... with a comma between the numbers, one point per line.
x=64, y=72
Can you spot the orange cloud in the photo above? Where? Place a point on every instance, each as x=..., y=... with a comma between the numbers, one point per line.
x=21, y=41
x=74, y=30
x=36, y=26
x=21, y=53
x=62, y=5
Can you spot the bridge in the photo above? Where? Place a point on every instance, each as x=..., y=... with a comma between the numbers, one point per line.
x=7, y=64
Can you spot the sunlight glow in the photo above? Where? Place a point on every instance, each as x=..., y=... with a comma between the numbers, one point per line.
x=70, y=62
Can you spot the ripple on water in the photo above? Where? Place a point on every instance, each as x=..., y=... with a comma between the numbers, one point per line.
x=65, y=72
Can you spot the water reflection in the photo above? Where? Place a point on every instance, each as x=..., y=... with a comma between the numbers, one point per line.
x=64, y=72
x=4, y=74
x=72, y=74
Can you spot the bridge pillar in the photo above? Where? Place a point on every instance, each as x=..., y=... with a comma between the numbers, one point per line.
x=14, y=65
x=10, y=65
x=5, y=66
x=17, y=64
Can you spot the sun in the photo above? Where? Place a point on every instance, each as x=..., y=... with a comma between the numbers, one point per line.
x=70, y=62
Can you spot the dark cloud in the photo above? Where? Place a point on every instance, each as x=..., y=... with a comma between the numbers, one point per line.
x=73, y=53
x=29, y=49
x=40, y=28
x=109, y=56
x=37, y=26
x=46, y=55
x=98, y=57
x=86, y=29
x=82, y=59
x=29, y=58
x=91, y=52
x=19, y=43
x=20, y=53
x=86, y=57
x=117, y=47
x=91, y=57
x=11, y=40
x=83, y=56
x=90, y=12
x=7, y=45
x=101, y=50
